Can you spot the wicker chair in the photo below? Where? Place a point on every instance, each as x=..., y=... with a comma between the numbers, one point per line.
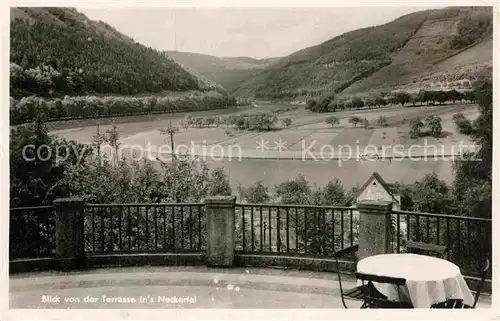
x=355, y=293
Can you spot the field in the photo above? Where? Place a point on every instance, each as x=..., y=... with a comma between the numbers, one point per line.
x=273, y=165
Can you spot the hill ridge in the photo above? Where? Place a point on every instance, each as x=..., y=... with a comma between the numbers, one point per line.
x=356, y=62
x=58, y=51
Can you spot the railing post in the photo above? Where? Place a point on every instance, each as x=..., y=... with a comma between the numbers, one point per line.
x=220, y=230
x=374, y=227
x=70, y=251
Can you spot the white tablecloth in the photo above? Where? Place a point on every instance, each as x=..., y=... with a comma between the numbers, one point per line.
x=429, y=280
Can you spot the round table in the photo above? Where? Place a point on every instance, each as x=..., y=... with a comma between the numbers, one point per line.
x=429, y=280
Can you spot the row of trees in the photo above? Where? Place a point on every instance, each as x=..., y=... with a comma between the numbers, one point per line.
x=27, y=108
x=382, y=121
x=257, y=121
x=429, y=97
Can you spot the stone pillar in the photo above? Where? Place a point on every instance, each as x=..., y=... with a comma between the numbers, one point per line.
x=374, y=227
x=220, y=230
x=70, y=252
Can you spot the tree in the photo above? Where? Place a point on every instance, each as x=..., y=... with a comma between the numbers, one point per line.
x=355, y=120
x=35, y=179
x=421, y=96
x=286, y=122
x=218, y=121
x=470, y=96
x=170, y=130
x=332, y=120
x=261, y=121
x=357, y=102
x=256, y=194
x=454, y=95
x=310, y=104
x=402, y=98
x=332, y=107
x=380, y=101
x=431, y=195
x=429, y=96
x=333, y=193
x=383, y=121
x=209, y=121
x=219, y=183
x=113, y=139
x=441, y=96
x=414, y=98
x=473, y=173
x=322, y=107
x=366, y=123
x=415, y=126
x=295, y=191
x=434, y=124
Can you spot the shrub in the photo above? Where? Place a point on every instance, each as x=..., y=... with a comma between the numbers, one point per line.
x=286, y=122
x=434, y=124
x=355, y=120
x=383, y=121
x=463, y=124
x=332, y=120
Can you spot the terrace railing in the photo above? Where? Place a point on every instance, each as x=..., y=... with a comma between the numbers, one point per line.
x=144, y=228
x=265, y=229
x=32, y=232
x=316, y=231
x=468, y=239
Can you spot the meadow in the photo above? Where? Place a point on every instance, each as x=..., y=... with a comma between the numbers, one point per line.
x=307, y=128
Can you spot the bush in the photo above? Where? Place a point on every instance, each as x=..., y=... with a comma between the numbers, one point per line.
x=463, y=124
x=355, y=120
x=286, y=122
x=332, y=120
x=383, y=121
x=357, y=102
x=434, y=124
x=366, y=123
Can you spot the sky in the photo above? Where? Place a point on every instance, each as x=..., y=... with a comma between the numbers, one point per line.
x=234, y=32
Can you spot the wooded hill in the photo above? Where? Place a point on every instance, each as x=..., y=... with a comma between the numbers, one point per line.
x=59, y=51
x=431, y=48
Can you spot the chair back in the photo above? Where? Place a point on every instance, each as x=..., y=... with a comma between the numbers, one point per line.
x=338, y=255
x=426, y=249
x=484, y=274
x=450, y=304
x=380, y=279
x=348, y=250
x=376, y=302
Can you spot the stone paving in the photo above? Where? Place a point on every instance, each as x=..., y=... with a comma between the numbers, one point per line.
x=180, y=287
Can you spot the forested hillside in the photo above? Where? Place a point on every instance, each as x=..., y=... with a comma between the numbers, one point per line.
x=393, y=52
x=66, y=66
x=229, y=72
x=58, y=51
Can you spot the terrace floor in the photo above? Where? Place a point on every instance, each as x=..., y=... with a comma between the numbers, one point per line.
x=200, y=287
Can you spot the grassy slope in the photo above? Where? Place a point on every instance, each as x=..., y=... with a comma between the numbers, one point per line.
x=426, y=62
x=358, y=59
